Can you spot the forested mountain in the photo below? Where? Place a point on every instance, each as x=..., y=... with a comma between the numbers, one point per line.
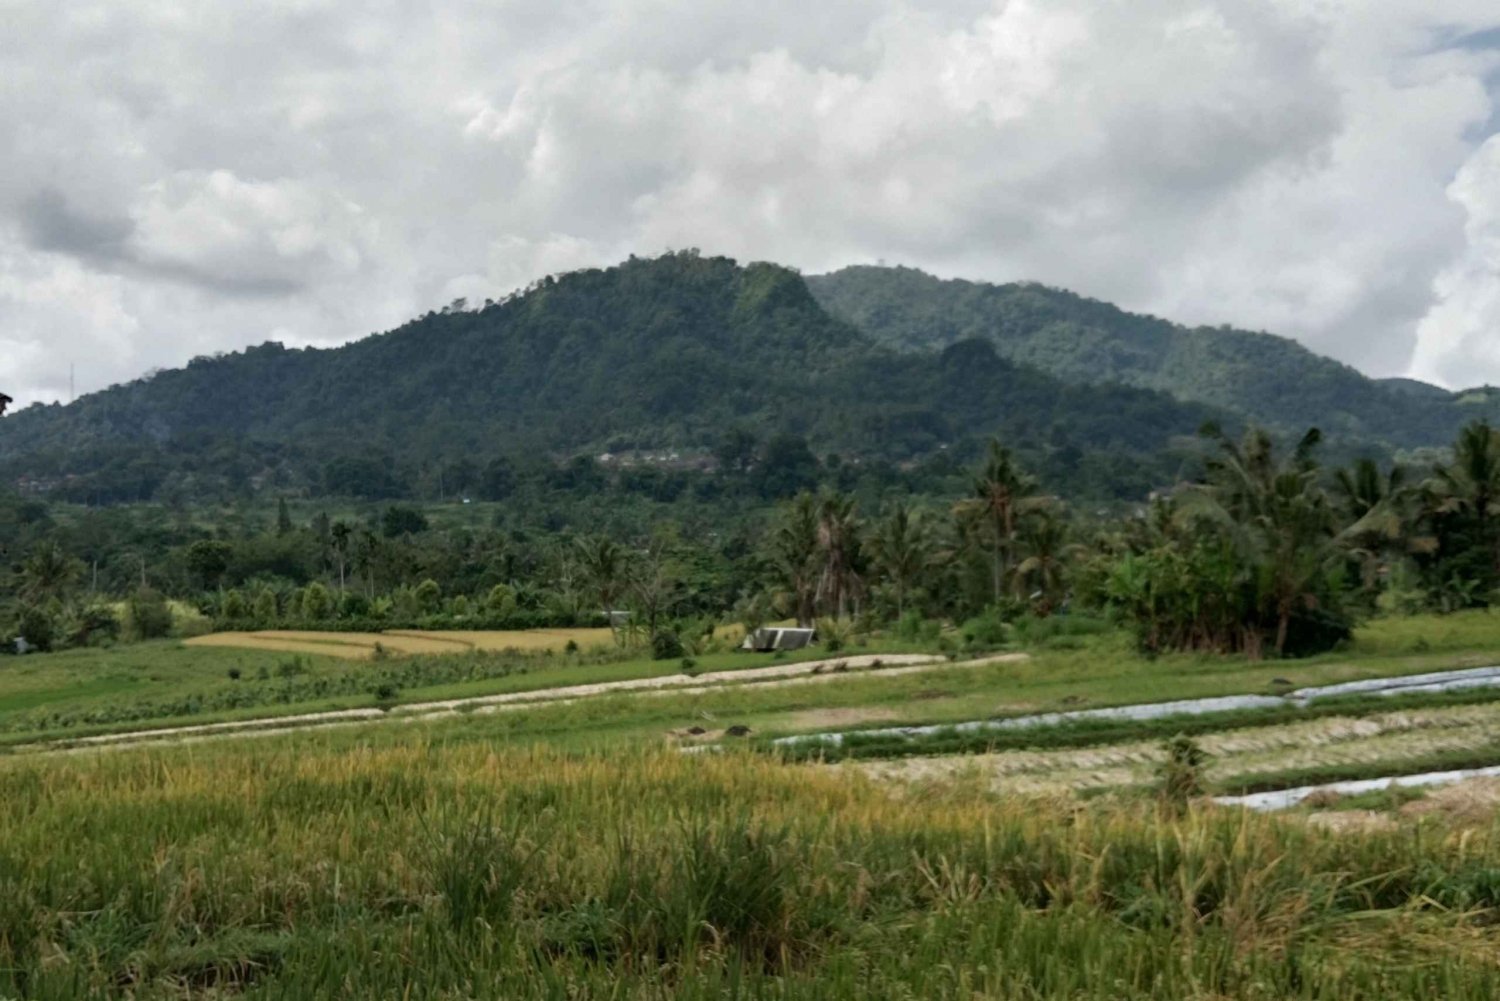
x=676, y=352
x=1262, y=378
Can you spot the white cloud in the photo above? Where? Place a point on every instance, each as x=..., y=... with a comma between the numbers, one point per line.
x=178, y=184
x=1459, y=341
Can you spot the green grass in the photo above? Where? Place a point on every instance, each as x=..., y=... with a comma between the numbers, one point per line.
x=313, y=868
x=145, y=686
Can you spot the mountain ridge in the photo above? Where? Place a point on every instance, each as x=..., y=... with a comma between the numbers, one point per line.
x=668, y=351
x=1263, y=378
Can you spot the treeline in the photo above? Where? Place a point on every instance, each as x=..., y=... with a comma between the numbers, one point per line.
x=1265, y=552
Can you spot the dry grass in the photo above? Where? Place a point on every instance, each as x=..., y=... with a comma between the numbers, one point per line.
x=270, y=641
x=530, y=639
x=361, y=646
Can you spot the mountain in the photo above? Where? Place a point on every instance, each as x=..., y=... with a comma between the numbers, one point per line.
x=1262, y=378
x=671, y=352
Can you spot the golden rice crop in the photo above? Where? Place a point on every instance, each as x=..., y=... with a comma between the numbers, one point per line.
x=315, y=868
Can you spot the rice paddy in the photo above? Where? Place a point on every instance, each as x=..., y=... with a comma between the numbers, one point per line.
x=321, y=869
x=544, y=835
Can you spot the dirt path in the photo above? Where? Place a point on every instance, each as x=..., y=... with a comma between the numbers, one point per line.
x=778, y=675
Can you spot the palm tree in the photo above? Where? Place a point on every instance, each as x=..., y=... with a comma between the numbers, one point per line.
x=48, y=573
x=1280, y=524
x=1003, y=494
x=901, y=548
x=839, y=577
x=1044, y=540
x=606, y=571
x=794, y=552
x=1381, y=516
x=1469, y=486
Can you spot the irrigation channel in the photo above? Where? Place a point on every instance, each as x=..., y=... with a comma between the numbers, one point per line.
x=1440, y=681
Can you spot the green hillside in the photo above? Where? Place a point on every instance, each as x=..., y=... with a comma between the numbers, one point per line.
x=1261, y=377
x=665, y=353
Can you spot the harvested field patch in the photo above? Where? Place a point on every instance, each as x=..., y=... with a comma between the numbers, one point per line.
x=253, y=641
x=360, y=646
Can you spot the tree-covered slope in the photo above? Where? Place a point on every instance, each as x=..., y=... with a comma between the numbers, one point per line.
x=661, y=353
x=1261, y=377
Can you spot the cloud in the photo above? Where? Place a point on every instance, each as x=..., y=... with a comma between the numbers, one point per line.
x=177, y=185
x=1459, y=340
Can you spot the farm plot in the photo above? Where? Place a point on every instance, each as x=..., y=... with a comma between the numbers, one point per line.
x=1241, y=755
x=362, y=646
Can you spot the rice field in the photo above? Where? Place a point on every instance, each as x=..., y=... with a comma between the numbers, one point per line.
x=323, y=869
x=363, y=646
x=1235, y=755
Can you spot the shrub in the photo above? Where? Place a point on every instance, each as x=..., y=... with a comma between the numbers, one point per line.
x=986, y=630
x=234, y=607
x=36, y=627
x=317, y=602
x=150, y=616
x=666, y=645
x=265, y=607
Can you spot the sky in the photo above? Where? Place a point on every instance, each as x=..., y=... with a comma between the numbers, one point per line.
x=186, y=178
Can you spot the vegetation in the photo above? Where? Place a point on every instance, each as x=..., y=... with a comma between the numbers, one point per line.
x=1262, y=379
x=312, y=870
x=682, y=362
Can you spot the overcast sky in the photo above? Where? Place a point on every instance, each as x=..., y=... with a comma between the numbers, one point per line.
x=184, y=178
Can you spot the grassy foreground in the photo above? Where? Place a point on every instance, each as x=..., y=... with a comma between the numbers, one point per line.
x=308, y=868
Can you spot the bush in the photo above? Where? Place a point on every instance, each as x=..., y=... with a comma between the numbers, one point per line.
x=150, y=616
x=986, y=630
x=36, y=628
x=317, y=602
x=689, y=666
x=234, y=607
x=666, y=645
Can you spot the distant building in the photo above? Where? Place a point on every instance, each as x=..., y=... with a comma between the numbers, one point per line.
x=771, y=638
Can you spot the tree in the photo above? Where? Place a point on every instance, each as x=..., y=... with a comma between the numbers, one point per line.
x=283, y=518
x=1043, y=567
x=150, y=615
x=264, y=609
x=736, y=450
x=428, y=596
x=399, y=520
x=207, y=560
x=901, y=548
x=1002, y=495
x=606, y=572
x=786, y=467
x=48, y=574
x=840, y=581
x=317, y=602
x=794, y=554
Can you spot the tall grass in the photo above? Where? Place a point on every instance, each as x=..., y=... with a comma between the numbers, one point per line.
x=284, y=869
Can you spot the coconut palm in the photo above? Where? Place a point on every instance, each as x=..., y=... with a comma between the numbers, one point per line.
x=1002, y=495
x=793, y=557
x=901, y=549
x=840, y=581
x=48, y=574
x=605, y=568
x=1281, y=526
x=1043, y=570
